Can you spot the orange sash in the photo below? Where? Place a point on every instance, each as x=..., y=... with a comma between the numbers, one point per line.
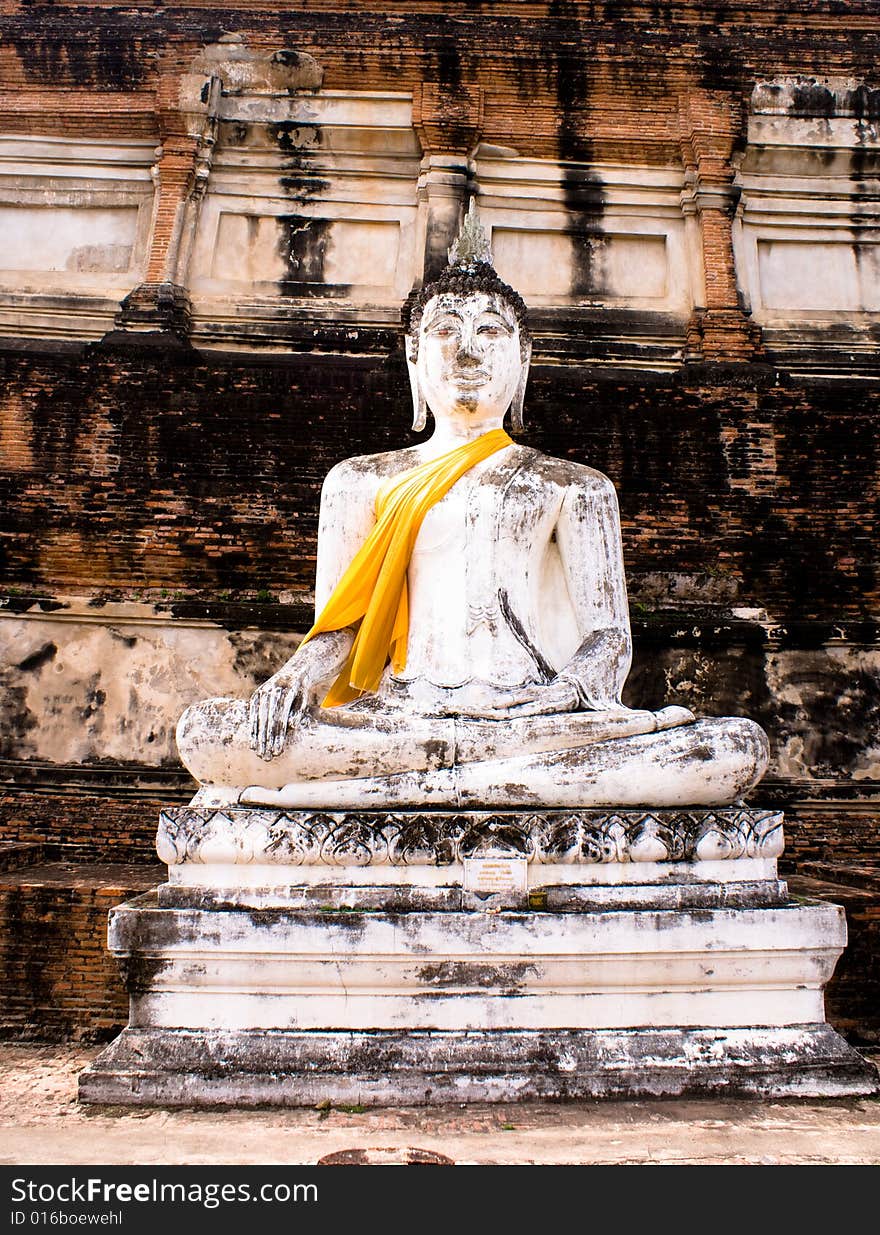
x=372, y=594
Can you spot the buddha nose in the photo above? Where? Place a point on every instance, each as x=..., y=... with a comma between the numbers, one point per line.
x=469, y=346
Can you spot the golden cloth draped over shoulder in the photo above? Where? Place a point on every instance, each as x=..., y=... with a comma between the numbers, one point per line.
x=372, y=594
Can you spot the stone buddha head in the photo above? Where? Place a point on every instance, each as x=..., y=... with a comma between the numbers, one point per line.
x=468, y=346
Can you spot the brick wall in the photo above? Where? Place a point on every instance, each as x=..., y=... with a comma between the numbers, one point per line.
x=852, y=997
x=90, y=827
x=56, y=977
x=844, y=834
x=131, y=472
x=513, y=51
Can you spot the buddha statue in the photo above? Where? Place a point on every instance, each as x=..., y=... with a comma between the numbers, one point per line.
x=472, y=636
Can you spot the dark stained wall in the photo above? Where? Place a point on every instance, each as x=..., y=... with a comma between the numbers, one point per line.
x=128, y=471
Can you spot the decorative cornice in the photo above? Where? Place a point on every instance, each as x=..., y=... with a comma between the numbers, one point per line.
x=408, y=838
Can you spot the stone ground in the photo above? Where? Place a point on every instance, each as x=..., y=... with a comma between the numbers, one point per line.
x=42, y=1123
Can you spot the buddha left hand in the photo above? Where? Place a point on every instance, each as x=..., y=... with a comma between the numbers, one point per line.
x=542, y=699
x=589, y=682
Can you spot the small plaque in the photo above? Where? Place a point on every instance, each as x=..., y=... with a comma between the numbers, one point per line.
x=495, y=874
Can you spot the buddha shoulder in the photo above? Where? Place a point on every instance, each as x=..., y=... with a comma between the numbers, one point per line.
x=547, y=470
x=368, y=471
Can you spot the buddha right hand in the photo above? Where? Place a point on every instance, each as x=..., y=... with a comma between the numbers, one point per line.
x=270, y=711
x=280, y=703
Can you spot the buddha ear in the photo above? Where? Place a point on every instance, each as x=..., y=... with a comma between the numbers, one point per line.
x=519, y=398
x=420, y=407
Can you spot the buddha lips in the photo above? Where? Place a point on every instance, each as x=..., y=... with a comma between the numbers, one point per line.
x=372, y=594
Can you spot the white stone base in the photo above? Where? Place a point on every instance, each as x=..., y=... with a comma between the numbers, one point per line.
x=275, y=880
x=486, y=1006
x=237, y=857
x=183, y=1067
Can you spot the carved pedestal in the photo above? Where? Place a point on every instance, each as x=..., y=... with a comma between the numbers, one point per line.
x=407, y=957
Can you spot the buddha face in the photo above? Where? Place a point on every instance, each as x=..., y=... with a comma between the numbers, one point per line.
x=469, y=360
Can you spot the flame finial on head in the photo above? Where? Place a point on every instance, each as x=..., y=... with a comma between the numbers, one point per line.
x=471, y=246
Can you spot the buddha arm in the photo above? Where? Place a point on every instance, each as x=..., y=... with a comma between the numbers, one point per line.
x=348, y=515
x=591, y=550
x=346, y=518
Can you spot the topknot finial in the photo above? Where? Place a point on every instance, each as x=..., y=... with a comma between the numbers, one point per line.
x=471, y=246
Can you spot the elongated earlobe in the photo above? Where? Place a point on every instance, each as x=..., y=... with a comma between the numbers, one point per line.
x=519, y=398
x=420, y=407
x=420, y=412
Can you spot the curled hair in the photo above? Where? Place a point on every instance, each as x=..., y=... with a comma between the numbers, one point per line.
x=465, y=280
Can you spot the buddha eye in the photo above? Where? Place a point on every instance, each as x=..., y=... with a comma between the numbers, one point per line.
x=493, y=330
x=444, y=329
